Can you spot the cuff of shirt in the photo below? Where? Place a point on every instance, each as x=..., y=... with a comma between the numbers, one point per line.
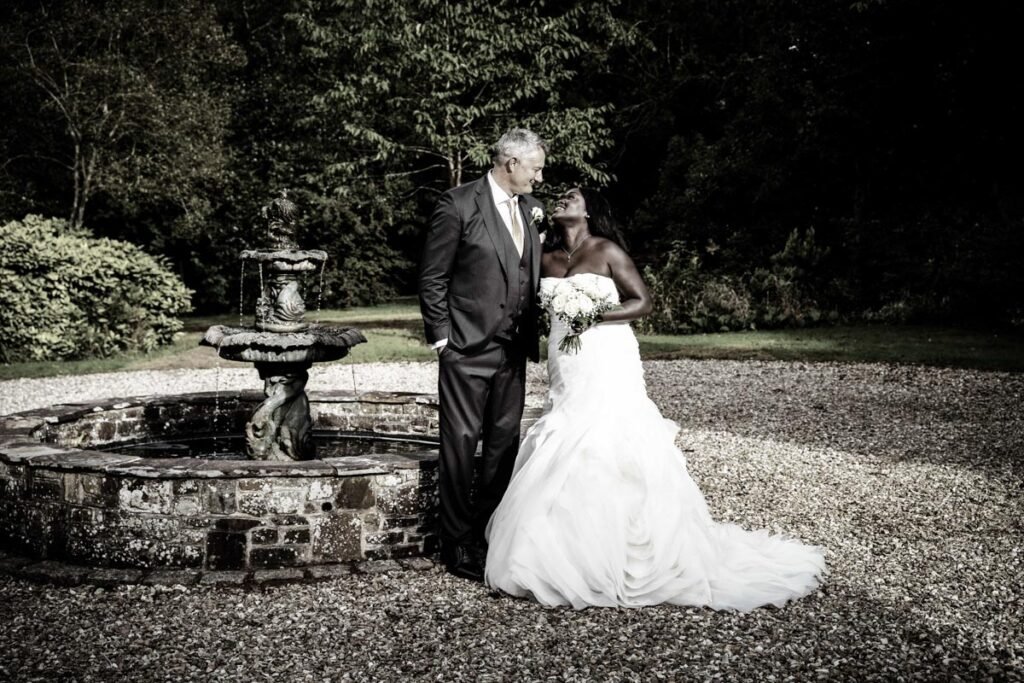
x=439, y=344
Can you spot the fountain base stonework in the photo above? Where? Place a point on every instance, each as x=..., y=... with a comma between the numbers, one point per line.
x=63, y=498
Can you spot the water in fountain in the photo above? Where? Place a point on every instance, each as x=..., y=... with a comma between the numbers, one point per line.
x=320, y=290
x=260, y=311
x=222, y=446
x=241, y=296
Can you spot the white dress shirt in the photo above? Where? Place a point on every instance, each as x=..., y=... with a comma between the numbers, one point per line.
x=501, y=202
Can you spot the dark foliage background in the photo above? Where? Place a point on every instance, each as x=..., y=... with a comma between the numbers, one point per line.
x=775, y=162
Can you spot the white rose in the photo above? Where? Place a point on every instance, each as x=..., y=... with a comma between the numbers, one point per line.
x=586, y=306
x=558, y=301
x=592, y=289
x=580, y=295
x=571, y=308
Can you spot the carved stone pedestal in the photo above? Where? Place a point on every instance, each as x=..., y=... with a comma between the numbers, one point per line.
x=280, y=427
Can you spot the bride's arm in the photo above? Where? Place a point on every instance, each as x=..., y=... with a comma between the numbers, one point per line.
x=635, y=300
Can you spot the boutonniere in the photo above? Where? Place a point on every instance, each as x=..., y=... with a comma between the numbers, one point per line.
x=536, y=215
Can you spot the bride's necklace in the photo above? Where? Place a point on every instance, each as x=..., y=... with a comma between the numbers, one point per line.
x=568, y=253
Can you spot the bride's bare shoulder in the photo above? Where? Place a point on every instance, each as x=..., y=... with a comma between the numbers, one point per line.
x=610, y=251
x=607, y=246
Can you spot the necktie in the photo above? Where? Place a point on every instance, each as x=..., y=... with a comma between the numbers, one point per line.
x=517, y=229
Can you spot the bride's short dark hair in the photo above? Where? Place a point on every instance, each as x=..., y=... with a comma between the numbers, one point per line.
x=600, y=221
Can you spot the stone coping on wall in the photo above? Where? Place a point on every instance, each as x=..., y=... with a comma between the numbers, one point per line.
x=78, y=460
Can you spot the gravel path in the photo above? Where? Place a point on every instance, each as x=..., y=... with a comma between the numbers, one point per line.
x=912, y=478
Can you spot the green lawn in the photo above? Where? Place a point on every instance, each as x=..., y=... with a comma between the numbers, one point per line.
x=401, y=312
x=393, y=332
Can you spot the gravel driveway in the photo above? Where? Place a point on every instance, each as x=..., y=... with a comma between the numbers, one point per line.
x=912, y=478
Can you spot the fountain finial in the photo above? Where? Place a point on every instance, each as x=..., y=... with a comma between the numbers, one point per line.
x=280, y=216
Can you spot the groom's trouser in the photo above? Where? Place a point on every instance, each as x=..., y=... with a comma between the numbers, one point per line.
x=481, y=401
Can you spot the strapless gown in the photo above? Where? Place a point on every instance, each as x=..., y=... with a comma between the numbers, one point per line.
x=601, y=510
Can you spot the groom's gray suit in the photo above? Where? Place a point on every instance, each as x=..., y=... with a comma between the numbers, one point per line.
x=479, y=294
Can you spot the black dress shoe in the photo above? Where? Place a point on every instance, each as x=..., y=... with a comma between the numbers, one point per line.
x=460, y=561
x=478, y=551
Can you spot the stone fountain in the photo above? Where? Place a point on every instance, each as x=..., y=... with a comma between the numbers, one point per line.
x=282, y=344
x=149, y=484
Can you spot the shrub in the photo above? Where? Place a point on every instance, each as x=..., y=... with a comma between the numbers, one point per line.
x=791, y=291
x=689, y=298
x=795, y=290
x=68, y=295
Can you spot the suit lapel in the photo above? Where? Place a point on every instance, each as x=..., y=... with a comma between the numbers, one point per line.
x=495, y=225
x=533, y=240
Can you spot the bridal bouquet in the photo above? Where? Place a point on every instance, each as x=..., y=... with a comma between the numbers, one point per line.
x=579, y=304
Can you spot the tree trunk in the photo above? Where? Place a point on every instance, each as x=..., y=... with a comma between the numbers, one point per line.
x=78, y=201
x=85, y=170
x=454, y=171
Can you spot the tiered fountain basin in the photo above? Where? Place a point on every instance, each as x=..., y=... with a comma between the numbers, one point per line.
x=315, y=344
x=78, y=484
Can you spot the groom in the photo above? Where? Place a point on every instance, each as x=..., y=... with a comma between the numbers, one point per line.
x=478, y=281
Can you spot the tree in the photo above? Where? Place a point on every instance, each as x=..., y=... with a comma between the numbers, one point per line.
x=882, y=126
x=418, y=90
x=279, y=146
x=136, y=86
x=367, y=110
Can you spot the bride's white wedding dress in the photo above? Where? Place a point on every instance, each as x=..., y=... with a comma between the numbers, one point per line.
x=601, y=510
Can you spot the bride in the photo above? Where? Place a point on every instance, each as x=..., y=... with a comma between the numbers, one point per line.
x=601, y=510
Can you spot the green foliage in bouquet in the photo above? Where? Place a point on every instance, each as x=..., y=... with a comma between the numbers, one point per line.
x=67, y=295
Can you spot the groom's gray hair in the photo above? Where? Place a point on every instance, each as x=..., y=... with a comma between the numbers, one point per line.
x=516, y=143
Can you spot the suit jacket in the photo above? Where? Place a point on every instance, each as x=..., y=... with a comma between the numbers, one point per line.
x=463, y=279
